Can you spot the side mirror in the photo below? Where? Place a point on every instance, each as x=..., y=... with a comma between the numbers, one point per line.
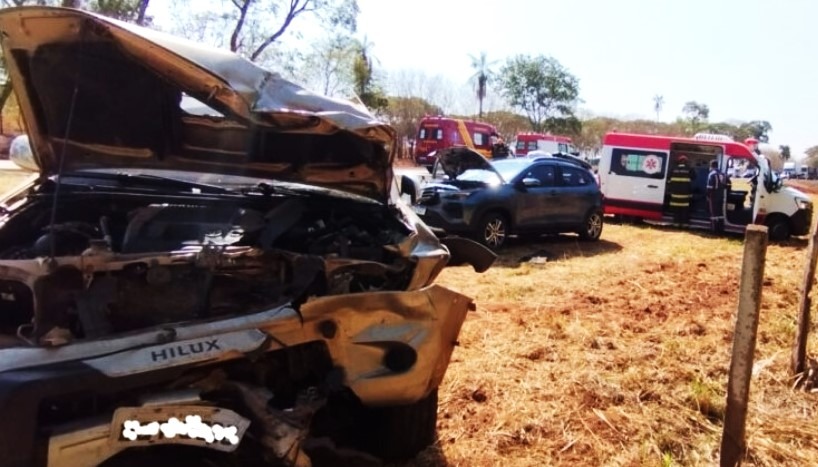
x=531, y=182
x=574, y=153
x=20, y=153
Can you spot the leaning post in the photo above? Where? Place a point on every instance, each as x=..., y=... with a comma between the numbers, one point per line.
x=744, y=341
x=799, y=350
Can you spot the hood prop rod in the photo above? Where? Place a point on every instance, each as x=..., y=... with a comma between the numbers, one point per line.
x=68, y=122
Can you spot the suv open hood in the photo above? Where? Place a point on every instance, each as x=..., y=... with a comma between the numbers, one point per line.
x=107, y=94
x=455, y=160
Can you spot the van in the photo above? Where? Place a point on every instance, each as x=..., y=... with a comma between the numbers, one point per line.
x=435, y=133
x=527, y=142
x=634, y=170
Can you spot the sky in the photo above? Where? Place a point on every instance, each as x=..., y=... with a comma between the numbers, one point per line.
x=745, y=59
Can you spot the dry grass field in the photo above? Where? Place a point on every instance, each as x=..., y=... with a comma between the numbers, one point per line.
x=617, y=353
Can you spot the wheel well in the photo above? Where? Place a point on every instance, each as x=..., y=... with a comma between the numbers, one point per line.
x=777, y=217
x=495, y=210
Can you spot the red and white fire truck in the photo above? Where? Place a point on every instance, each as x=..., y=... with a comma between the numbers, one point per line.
x=527, y=142
x=436, y=133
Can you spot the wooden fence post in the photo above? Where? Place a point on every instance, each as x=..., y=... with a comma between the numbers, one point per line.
x=799, y=350
x=744, y=341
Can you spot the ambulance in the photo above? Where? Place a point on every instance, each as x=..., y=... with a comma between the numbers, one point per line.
x=527, y=142
x=436, y=133
x=634, y=171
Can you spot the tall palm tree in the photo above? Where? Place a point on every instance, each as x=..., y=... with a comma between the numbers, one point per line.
x=481, y=77
x=658, y=103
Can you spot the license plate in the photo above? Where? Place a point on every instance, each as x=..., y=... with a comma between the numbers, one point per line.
x=419, y=210
x=209, y=427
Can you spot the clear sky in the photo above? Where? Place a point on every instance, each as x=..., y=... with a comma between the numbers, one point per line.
x=745, y=59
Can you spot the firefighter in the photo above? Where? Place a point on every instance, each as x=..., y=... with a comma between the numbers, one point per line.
x=680, y=189
x=499, y=150
x=717, y=185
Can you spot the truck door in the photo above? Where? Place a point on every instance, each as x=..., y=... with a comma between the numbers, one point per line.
x=634, y=181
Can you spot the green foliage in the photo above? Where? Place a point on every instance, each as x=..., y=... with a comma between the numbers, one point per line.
x=328, y=67
x=507, y=123
x=404, y=113
x=483, y=74
x=696, y=115
x=812, y=157
x=368, y=91
x=785, y=152
x=758, y=129
x=541, y=87
x=125, y=10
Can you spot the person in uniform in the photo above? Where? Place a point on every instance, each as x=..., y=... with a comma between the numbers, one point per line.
x=680, y=189
x=717, y=184
x=499, y=150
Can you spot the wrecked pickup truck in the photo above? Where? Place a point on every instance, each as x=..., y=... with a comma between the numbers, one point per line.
x=236, y=284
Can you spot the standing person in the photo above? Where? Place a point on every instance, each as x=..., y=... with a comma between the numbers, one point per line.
x=680, y=189
x=499, y=150
x=717, y=184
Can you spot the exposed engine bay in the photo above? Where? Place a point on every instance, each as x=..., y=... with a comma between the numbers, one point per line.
x=118, y=263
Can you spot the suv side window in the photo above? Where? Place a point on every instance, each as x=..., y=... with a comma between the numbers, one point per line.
x=574, y=177
x=544, y=173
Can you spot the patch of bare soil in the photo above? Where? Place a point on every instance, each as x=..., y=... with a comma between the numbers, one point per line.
x=617, y=353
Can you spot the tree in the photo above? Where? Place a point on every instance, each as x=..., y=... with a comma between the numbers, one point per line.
x=658, y=104
x=541, y=87
x=481, y=77
x=507, y=123
x=259, y=23
x=758, y=129
x=329, y=66
x=365, y=86
x=404, y=113
x=126, y=10
x=255, y=28
x=785, y=152
x=697, y=115
x=812, y=157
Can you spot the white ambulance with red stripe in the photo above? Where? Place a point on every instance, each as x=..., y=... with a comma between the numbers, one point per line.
x=634, y=171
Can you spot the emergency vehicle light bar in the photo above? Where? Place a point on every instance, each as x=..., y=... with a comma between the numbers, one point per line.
x=713, y=137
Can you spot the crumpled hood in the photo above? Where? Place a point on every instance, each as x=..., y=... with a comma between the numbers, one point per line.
x=107, y=94
x=455, y=160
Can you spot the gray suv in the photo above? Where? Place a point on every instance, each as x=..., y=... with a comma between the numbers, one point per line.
x=490, y=200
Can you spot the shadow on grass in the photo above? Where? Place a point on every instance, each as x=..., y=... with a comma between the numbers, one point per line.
x=551, y=248
x=432, y=456
x=792, y=242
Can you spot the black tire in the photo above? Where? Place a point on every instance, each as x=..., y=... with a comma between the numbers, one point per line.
x=401, y=432
x=492, y=230
x=592, y=227
x=778, y=228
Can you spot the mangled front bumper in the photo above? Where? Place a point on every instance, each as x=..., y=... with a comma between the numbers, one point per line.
x=391, y=348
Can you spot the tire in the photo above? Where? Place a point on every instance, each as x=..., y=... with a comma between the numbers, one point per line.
x=492, y=230
x=779, y=228
x=401, y=432
x=592, y=227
